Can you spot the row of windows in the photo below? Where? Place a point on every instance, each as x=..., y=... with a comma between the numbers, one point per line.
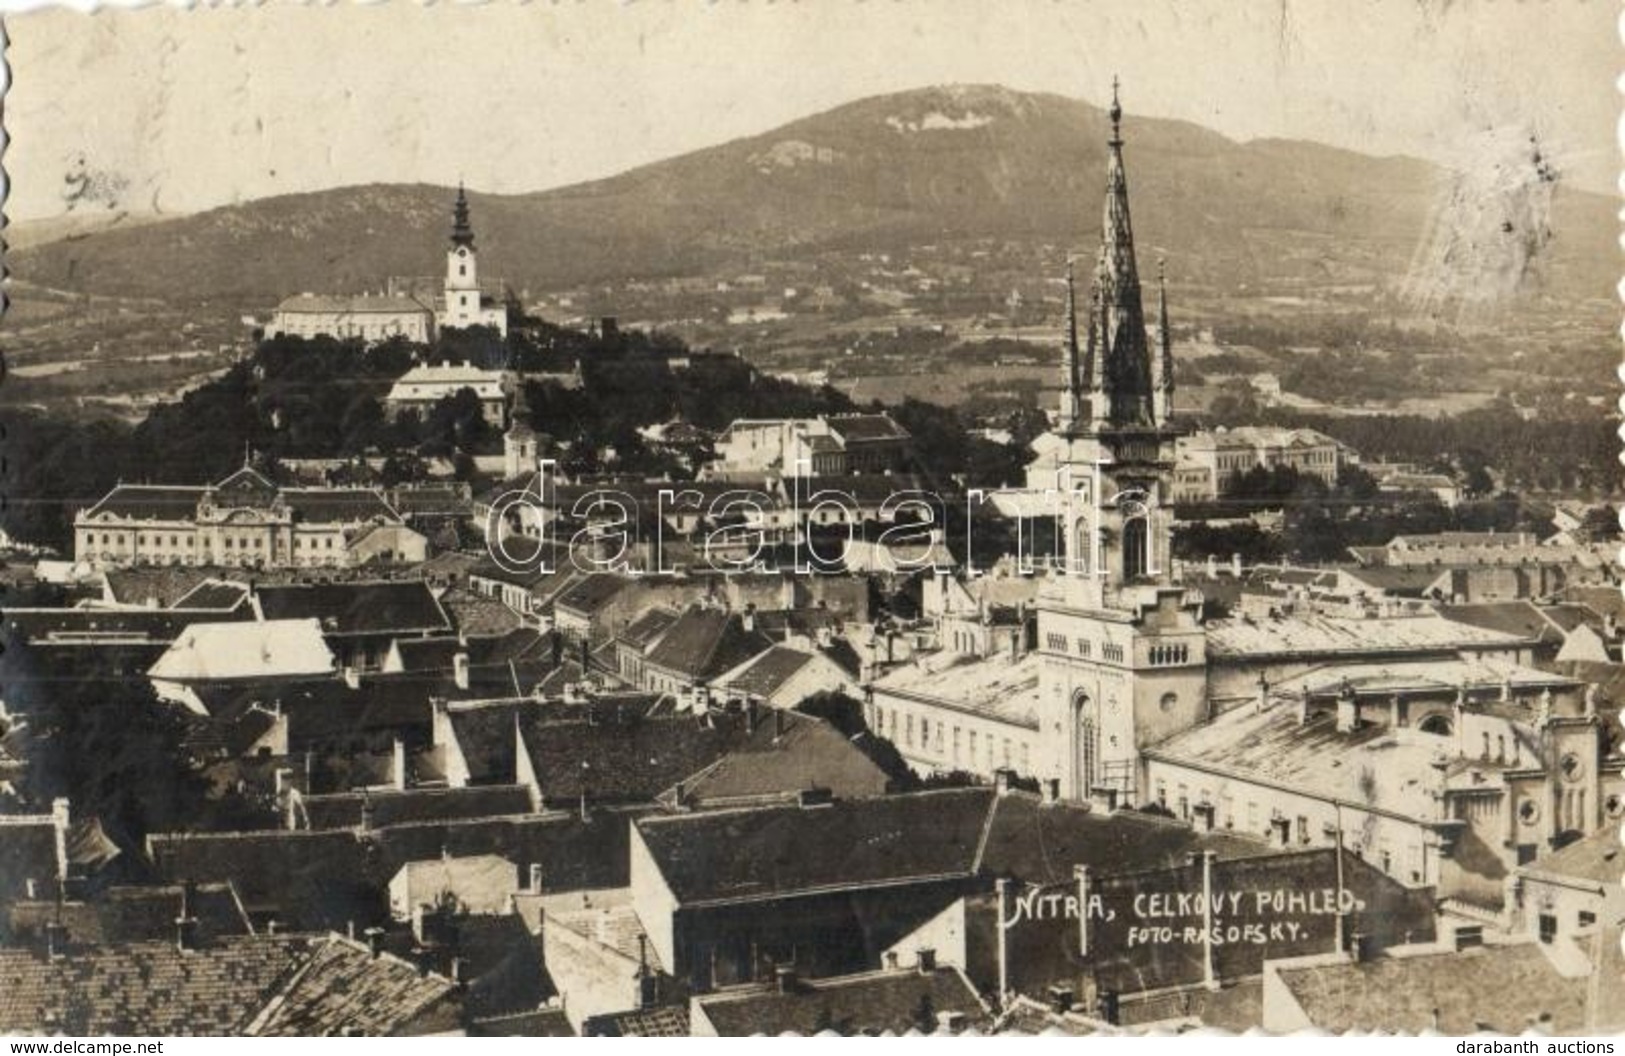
x=1298, y=828
x=958, y=747
x=230, y=542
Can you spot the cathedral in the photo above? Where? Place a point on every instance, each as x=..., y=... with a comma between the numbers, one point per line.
x=373, y=318
x=1122, y=647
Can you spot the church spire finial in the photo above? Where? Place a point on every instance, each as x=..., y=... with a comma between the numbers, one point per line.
x=1165, y=340
x=1126, y=395
x=1071, y=396
x=1116, y=115
x=462, y=233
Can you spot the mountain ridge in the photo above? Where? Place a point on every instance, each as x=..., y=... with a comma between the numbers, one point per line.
x=946, y=163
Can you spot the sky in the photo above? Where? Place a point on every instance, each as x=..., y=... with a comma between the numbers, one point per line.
x=170, y=110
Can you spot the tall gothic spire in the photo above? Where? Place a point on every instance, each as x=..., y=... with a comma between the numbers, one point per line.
x=1125, y=374
x=1165, y=341
x=1071, y=393
x=462, y=234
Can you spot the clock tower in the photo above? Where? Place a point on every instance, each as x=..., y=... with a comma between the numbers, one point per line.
x=1124, y=659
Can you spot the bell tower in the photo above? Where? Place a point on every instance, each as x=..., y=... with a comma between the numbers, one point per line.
x=1124, y=651
x=462, y=268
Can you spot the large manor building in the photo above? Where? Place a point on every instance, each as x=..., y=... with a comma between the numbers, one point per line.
x=243, y=521
x=462, y=302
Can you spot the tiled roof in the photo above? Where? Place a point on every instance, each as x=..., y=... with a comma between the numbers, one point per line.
x=622, y=755
x=344, y=989
x=1387, y=769
x=337, y=505
x=164, y=584
x=479, y=616
x=353, y=305
x=310, y=880
x=1520, y=618
x=273, y=648
x=1597, y=858
x=344, y=810
x=1504, y=989
x=591, y=593
x=995, y=686
x=667, y=1022
x=387, y=607
x=646, y=628
x=859, y=428
x=132, y=914
x=213, y=594
x=1328, y=636
x=787, y=753
x=894, y=1002
x=328, y=880
x=704, y=643
x=541, y=1023
x=1040, y=843
x=739, y=855
x=145, y=988
x=142, y=626
x=767, y=672
x=148, y=502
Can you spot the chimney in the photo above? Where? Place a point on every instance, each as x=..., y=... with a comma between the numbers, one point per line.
x=784, y=978
x=56, y=939
x=778, y=723
x=815, y=797
x=925, y=959
x=1004, y=780
x=186, y=922
x=352, y=677
x=375, y=940
x=747, y=619
x=1348, y=712
x=751, y=708
x=459, y=668
x=397, y=764
x=366, y=813
x=1061, y=998
x=1303, y=708
x=1235, y=565
x=535, y=878
x=1361, y=947
x=951, y=1019
x=1103, y=798
x=1051, y=788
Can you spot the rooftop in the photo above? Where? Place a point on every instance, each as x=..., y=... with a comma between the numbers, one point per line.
x=1504, y=989
x=1242, y=637
x=995, y=687
x=1371, y=766
x=383, y=607
x=271, y=648
x=884, y=1002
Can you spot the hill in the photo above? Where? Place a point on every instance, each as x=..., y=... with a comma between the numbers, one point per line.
x=936, y=164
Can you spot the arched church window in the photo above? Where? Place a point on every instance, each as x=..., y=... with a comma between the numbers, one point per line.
x=1136, y=541
x=1083, y=551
